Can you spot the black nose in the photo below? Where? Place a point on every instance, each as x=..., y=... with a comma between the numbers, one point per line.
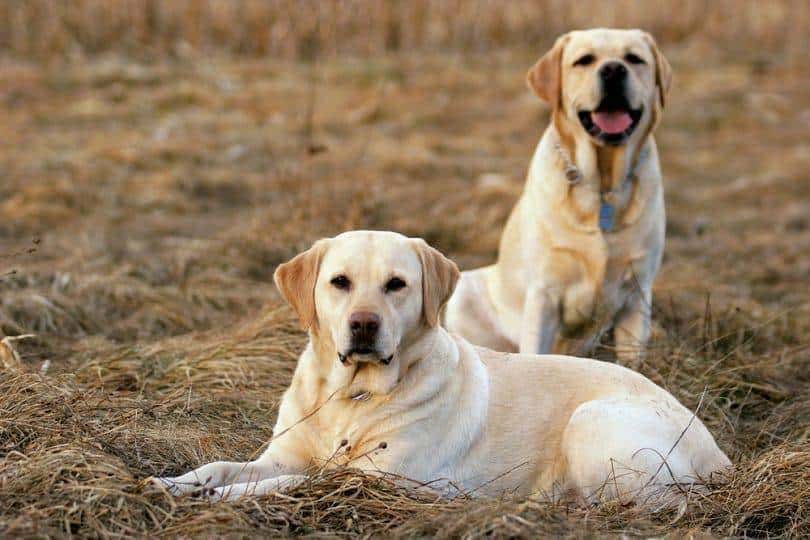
x=612, y=71
x=364, y=326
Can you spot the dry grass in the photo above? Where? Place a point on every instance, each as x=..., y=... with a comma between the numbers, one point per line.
x=307, y=28
x=146, y=204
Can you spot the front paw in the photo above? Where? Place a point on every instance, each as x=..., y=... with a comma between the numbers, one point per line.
x=166, y=483
x=177, y=488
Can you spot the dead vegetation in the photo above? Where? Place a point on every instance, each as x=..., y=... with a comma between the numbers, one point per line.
x=147, y=198
x=306, y=29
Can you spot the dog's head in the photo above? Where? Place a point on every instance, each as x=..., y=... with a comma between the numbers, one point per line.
x=608, y=84
x=368, y=294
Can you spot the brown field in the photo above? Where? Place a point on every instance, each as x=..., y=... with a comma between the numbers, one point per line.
x=153, y=174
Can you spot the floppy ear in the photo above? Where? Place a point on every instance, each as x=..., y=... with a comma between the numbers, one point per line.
x=663, y=71
x=545, y=77
x=439, y=278
x=296, y=279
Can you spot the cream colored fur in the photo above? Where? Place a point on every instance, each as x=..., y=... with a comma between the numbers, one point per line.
x=446, y=412
x=560, y=282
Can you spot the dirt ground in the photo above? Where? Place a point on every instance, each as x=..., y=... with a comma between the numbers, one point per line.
x=145, y=206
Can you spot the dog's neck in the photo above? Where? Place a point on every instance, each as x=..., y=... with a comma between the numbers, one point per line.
x=603, y=168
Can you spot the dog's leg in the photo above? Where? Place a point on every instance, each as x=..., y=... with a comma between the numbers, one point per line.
x=632, y=329
x=277, y=484
x=211, y=475
x=646, y=452
x=271, y=464
x=541, y=321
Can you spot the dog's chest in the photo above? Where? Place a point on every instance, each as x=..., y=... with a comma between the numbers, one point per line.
x=343, y=432
x=605, y=211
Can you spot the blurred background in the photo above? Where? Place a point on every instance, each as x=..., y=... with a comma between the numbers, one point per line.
x=158, y=159
x=304, y=29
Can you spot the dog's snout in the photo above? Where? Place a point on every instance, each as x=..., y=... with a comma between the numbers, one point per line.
x=612, y=71
x=364, y=325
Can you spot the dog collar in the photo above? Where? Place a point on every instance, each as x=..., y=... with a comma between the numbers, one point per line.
x=607, y=198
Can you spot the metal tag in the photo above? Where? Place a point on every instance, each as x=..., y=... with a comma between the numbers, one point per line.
x=606, y=213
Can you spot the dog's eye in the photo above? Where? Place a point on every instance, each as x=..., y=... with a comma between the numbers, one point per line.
x=585, y=60
x=341, y=282
x=394, y=284
x=634, y=59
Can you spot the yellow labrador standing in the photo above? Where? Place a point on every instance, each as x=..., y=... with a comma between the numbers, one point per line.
x=382, y=387
x=583, y=244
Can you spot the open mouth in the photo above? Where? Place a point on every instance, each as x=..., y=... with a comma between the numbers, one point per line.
x=613, y=121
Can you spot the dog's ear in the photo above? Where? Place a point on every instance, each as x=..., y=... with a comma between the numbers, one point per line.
x=296, y=280
x=663, y=71
x=439, y=278
x=545, y=77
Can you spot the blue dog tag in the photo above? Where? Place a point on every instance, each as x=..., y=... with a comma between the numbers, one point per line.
x=606, y=216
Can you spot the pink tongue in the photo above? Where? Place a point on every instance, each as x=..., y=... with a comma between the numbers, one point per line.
x=612, y=122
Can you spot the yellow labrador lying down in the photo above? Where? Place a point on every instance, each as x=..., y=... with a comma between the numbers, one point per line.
x=382, y=387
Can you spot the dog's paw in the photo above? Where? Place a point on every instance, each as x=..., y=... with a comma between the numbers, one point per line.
x=165, y=483
x=197, y=489
x=176, y=488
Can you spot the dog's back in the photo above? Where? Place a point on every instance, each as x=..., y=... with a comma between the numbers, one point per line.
x=581, y=424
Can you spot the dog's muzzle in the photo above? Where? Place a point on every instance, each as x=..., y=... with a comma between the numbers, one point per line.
x=364, y=327
x=613, y=120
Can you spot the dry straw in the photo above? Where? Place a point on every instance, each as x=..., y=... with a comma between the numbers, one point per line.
x=168, y=177
x=305, y=29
